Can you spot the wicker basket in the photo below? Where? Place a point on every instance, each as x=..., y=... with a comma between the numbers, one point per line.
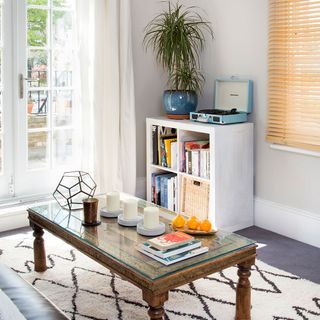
x=194, y=197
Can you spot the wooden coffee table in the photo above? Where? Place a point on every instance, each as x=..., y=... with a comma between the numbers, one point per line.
x=114, y=247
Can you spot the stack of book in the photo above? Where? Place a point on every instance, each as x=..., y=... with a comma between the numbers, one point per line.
x=195, y=158
x=165, y=150
x=164, y=190
x=172, y=247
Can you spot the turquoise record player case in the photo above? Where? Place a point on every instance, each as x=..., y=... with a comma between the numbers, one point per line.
x=233, y=102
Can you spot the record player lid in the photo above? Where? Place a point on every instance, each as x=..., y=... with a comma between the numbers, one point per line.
x=233, y=93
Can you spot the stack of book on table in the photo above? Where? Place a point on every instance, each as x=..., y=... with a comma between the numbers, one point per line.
x=172, y=247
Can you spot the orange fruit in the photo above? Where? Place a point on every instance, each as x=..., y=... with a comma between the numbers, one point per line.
x=179, y=221
x=205, y=225
x=193, y=223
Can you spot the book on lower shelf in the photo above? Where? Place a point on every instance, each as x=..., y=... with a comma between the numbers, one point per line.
x=176, y=258
x=170, y=252
x=164, y=190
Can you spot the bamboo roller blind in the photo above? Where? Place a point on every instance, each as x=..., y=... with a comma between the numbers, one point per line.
x=294, y=73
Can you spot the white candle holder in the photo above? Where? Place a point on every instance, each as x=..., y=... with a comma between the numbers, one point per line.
x=160, y=229
x=110, y=214
x=129, y=222
x=112, y=209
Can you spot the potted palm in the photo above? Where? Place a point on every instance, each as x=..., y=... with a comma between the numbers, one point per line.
x=177, y=37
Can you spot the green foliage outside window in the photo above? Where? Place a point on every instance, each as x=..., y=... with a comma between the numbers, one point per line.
x=37, y=21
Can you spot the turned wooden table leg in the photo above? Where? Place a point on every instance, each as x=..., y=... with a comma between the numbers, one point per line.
x=155, y=302
x=39, y=251
x=243, y=295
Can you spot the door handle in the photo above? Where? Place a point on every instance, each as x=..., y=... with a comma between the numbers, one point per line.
x=21, y=84
x=31, y=79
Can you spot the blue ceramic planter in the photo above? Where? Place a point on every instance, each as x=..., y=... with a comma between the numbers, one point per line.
x=179, y=103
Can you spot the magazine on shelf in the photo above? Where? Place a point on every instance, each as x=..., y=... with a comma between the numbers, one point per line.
x=171, y=252
x=176, y=258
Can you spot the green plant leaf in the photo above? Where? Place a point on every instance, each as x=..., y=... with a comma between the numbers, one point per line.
x=177, y=37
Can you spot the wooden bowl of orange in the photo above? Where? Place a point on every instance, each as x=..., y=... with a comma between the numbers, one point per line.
x=193, y=225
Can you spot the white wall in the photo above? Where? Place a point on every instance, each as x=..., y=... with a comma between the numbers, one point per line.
x=239, y=48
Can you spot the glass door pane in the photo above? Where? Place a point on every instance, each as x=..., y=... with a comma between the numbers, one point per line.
x=48, y=43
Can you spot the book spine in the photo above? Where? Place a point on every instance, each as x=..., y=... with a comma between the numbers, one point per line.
x=205, y=164
x=162, y=191
x=175, y=198
x=176, y=258
x=185, y=255
x=167, y=149
x=158, y=144
x=154, y=195
x=189, y=162
x=153, y=187
x=165, y=189
x=208, y=164
x=158, y=190
x=186, y=162
x=170, y=193
x=155, y=145
x=167, y=254
x=202, y=163
x=174, y=158
x=195, y=162
x=163, y=153
x=183, y=157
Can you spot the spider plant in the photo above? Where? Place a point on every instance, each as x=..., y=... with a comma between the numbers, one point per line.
x=177, y=37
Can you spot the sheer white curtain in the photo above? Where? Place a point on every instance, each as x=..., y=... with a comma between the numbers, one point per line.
x=106, y=93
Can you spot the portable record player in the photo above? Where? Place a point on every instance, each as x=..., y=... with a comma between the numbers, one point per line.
x=233, y=103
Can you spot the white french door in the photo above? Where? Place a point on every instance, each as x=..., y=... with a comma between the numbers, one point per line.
x=44, y=143
x=6, y=100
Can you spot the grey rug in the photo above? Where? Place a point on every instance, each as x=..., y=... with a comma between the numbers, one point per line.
x=85, y=290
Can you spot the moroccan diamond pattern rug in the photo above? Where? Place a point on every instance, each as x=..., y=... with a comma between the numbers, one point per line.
x=85, y=290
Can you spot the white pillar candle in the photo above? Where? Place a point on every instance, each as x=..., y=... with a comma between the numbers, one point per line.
x=113, y=201
x=151, y=217
x=130, y=210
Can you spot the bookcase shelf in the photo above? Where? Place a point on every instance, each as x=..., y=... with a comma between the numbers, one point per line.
x=154, y=166
x=183, y=174
x=230, y=202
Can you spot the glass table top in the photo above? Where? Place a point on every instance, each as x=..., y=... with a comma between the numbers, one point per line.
x=121, y=243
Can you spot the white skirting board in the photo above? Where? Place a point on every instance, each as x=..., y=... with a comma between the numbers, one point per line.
x=290, y=222
x=13, y=220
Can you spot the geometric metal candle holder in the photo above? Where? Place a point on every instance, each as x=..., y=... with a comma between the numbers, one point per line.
x=73, y=187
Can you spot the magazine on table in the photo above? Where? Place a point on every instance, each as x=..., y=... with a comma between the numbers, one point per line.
x=171, y=252
x=176, y=258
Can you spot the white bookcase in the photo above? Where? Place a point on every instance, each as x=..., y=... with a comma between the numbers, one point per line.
x=231, y=168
